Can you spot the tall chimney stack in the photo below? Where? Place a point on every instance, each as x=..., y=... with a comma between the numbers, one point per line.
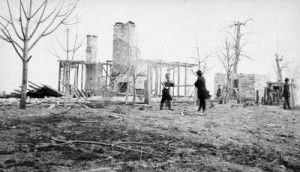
x=91, y=48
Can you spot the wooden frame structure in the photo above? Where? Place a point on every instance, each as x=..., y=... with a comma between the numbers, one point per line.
x=65, y=66
x=156, y=67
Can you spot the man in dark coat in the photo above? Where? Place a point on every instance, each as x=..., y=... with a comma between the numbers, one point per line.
x=219, y=94
x=269, y=94
x=166, y=96
x=202, y=92
x=286, y=94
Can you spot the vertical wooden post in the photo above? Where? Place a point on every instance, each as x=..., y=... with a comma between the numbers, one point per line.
x=173, y=80
x=185, y=82
x=59, y=75
x=148, y=85
x=106, y=78
x=156, y=80
x=178, y=84
x=76, y=76
x=151, y=76
x=82, y=76
x=257, y=97
x=292, y=93
x=160, y=74
x=64, y=88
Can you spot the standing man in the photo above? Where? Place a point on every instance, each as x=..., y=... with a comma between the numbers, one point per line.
x=202, y=92
x=269, y=94
x=286, y=94
x=219, y=93
x=166, y=96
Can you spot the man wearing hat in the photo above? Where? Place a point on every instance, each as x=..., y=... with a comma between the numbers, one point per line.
x=219, y=94
x=166, y=96
x=202, y=92
x=286, y=94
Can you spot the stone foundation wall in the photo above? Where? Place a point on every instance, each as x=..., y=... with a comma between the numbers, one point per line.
x=94, y=79
x=91, y=48
x=247, y=84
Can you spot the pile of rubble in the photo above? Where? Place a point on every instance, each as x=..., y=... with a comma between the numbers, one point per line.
x=35, y=91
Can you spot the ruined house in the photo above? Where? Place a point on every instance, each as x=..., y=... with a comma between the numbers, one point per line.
x=127, y=54
x=87, y=75
x=248, y=86
x=94, y=77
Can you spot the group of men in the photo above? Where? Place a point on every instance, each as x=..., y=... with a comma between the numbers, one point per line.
x=203, y=94
x=199, y=84
x=285, y=94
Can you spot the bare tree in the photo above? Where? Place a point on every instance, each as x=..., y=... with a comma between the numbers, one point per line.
x=226, y=58
x=69, y=54
x=238, y=46
x=200, y=60
x=135, y=72
x=24, y=29
x=279, y=68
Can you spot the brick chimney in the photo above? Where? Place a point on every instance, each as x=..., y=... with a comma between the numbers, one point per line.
x=91, y=48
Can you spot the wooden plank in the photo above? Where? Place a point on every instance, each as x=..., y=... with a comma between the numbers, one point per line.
x=106, y=76
x=26, y=88
x=59, y=76
x=156, y=81
x=34, y=84
x=81, y=76
x=18, y=91
x=76, y=93
x=178, y=88
x=148, y=85
x=160, y=74
x=257, y=97
x=173, y=90
x=53, y=89
x=81, y=93
x=35, y=88
x=185, y=81
x=76, y=77
x=84, y=93
x=184, y=86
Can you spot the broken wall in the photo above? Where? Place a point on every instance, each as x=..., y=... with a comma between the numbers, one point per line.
x=247, y=84
x=94, y=79
x=124, y=50
x=91, y=48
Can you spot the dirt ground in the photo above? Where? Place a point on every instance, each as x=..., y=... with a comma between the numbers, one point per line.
x=123, y=138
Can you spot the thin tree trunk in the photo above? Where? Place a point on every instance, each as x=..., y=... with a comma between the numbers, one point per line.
x=237, y=48
x=67, y=83
x=127, y=91
x=228, y=90
x=134, y=91
x=24, y=83
x=279, y=70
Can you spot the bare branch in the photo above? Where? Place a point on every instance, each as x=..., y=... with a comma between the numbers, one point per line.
x=54, y=53
x=58, y=15
x=60, y=44
x=244, y=55
x=8, y=36
x=5, y=20
x=12, y=22
x=245, y=22
x=21, y=23
x=39, y=8
x=10, y=40
x=23, y=9
x=40, y=19
x=246, y=33
x=205, y=58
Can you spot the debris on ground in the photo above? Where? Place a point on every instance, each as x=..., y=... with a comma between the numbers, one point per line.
x=256, y=138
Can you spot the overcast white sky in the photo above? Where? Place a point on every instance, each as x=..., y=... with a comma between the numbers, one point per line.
x=167, y=29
